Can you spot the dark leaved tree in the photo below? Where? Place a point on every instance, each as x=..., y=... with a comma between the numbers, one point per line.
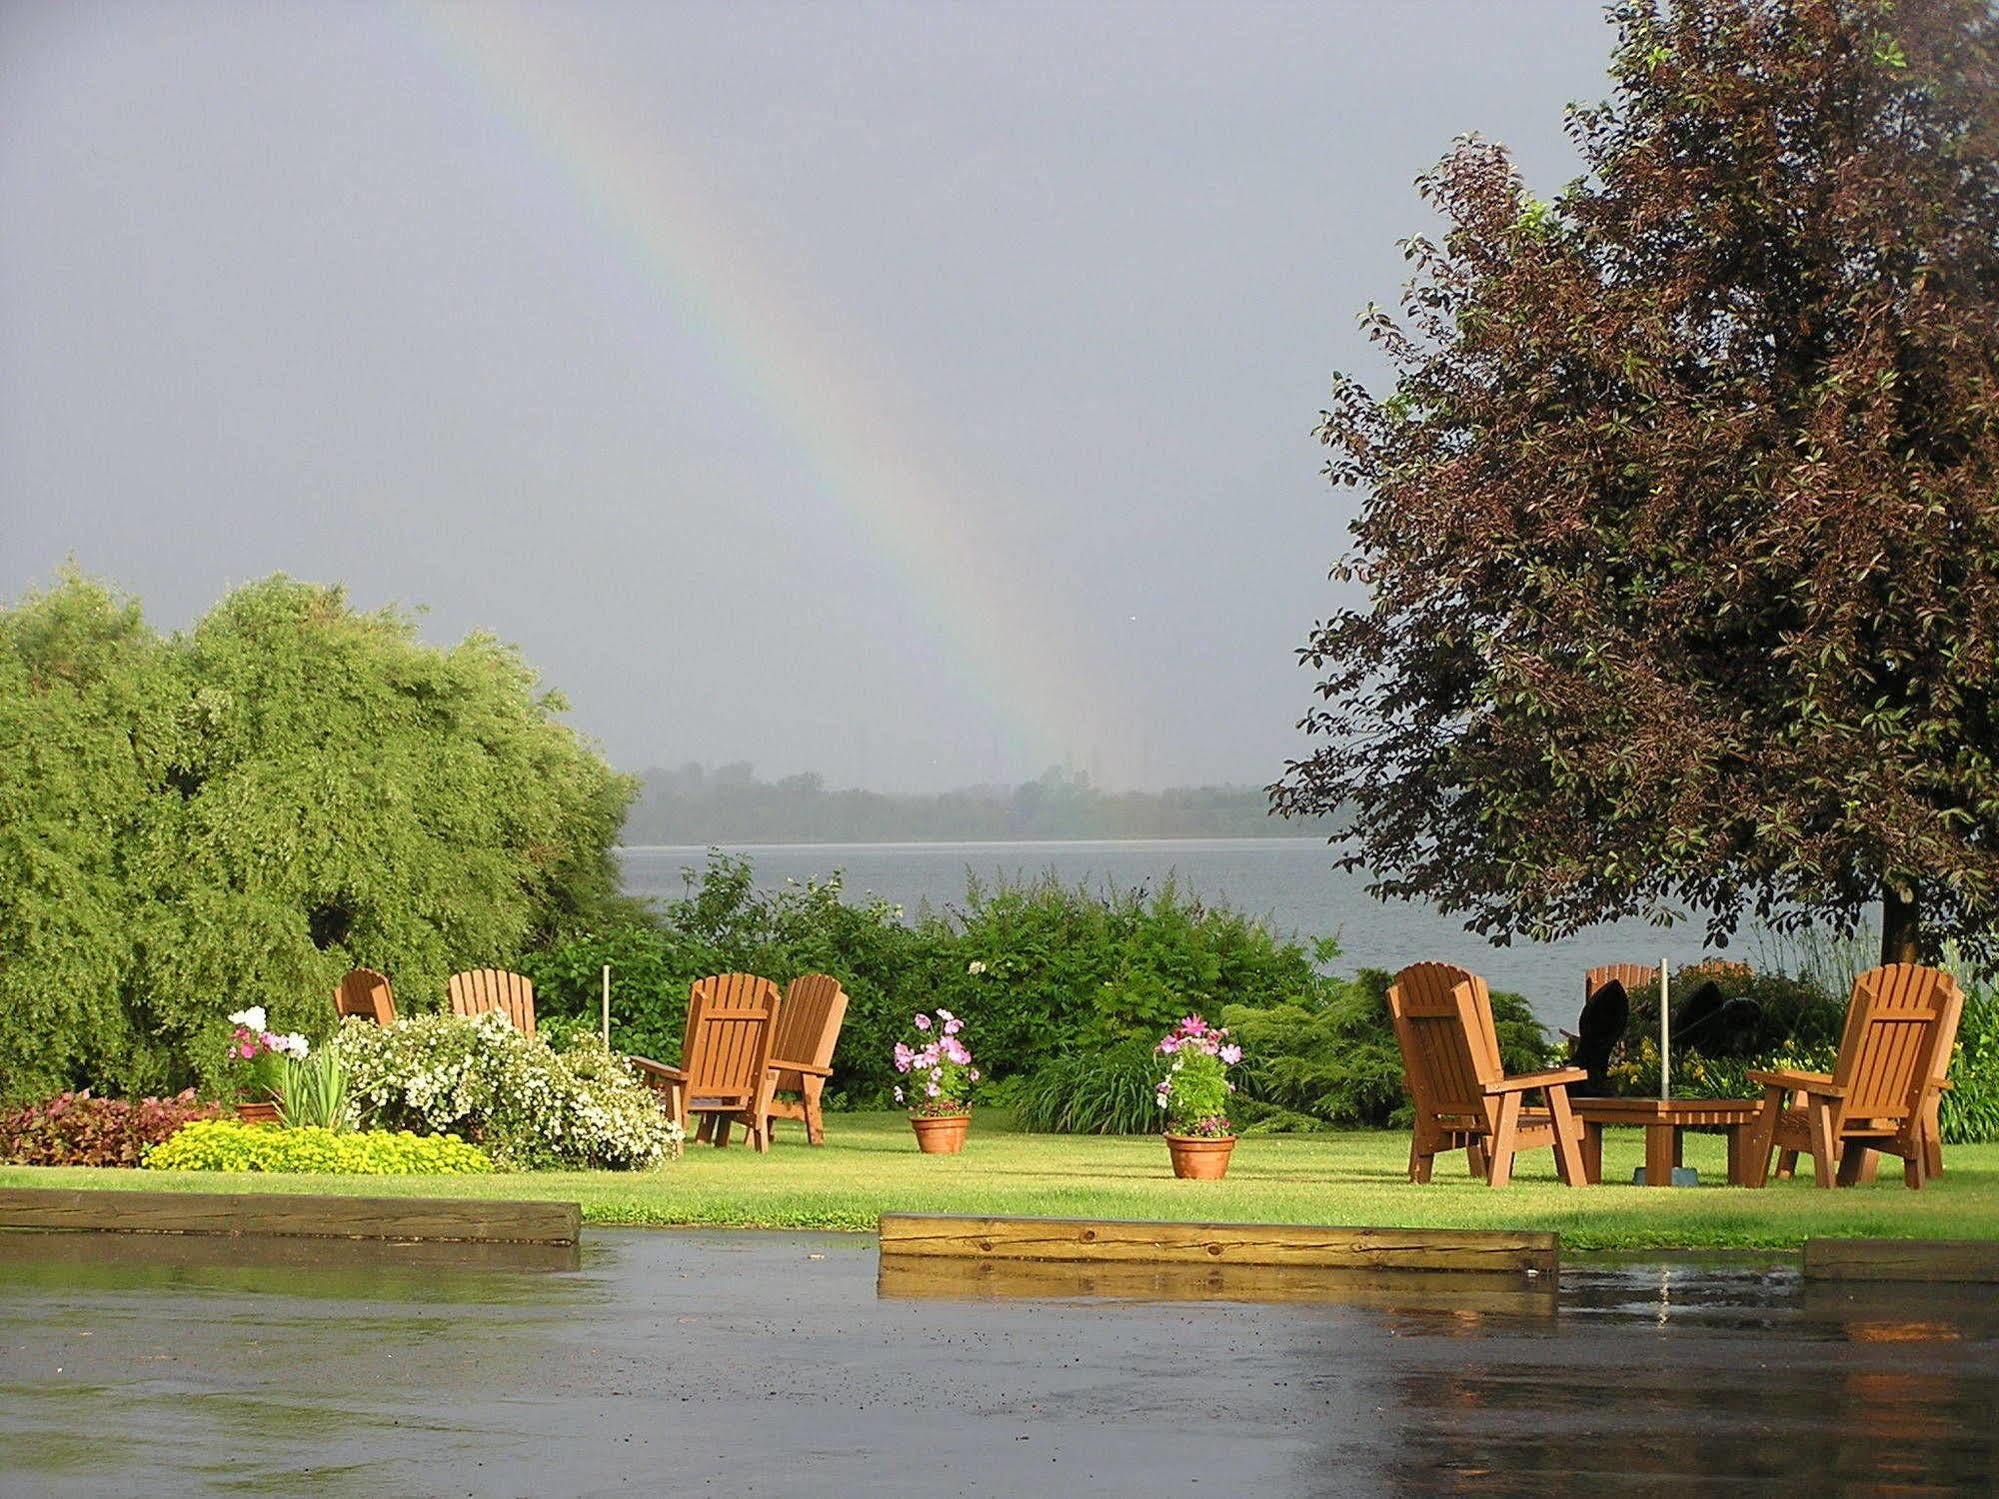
x=1680, y=535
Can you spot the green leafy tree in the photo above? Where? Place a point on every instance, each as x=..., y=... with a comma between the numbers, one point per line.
x=1680, y=532
x=237, y=815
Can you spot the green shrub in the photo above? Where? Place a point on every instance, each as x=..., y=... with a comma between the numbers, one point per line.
x=529, y=1105
x=1091, y=1091
x=1792, y=1012
x=1969, y=1112
x=231, y=1145
x=239, y=813
x=1330, y=1058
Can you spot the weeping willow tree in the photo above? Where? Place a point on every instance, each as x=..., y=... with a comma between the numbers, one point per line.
x=236, y=815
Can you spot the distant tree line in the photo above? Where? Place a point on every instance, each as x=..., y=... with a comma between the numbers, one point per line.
x=729, y=804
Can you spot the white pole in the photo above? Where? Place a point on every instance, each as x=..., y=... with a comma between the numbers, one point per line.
x=1665, y=1037
x=607, y=1005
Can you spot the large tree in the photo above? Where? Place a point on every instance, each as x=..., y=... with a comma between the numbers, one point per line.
x=1680, y=532
x=236, y=815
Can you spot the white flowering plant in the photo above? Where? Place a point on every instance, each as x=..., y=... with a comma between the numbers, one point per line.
x=529, y=1106
x=1194, y=1088
x=936, y=1066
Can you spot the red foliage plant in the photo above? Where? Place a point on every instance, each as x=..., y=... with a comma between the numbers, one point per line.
x=74, y=1129
x=1679, y=532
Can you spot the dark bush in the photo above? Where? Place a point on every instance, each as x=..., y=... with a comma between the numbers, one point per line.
x=74, y=1129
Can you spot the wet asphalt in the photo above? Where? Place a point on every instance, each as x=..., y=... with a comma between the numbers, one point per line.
x=674, y=1362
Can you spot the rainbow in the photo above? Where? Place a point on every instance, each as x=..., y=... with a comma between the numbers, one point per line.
x=916, y=511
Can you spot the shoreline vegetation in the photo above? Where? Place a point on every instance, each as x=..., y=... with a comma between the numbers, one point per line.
x=727, y=804
x=870, y=1166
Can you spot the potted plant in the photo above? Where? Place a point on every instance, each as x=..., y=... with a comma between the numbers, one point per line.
x=256, y=1056
x=938, y=1067
x=1194, y=1092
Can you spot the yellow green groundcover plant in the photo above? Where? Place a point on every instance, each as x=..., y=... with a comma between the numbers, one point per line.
x=231, y=1145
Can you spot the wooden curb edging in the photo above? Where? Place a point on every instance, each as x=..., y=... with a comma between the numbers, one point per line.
x=291, y=1215
x=1936, y=1260
x=1306, y=1246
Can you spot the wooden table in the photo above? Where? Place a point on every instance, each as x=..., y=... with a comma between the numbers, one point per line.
x=1663, y=1120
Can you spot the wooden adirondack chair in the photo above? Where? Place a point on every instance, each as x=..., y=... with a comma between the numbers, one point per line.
x=726, y=1076
x=482, y=989
x=1450, y=1053
x=1634, y=976
x=1893, y=1056
x=365, y=992
x=808, y=1026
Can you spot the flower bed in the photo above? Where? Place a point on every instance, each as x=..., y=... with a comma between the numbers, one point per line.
x=75, y=1129
x=231, y=1145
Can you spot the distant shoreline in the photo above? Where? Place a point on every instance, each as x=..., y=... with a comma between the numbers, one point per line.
x=1240, y=840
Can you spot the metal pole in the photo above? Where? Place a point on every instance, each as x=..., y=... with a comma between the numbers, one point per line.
x=1665, y=1036
x=607, y=1005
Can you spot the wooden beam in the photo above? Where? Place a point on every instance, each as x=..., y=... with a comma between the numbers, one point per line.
x=916, y=1277
x=291, y=1215
x=1938, y=1260
x=1218, y=1244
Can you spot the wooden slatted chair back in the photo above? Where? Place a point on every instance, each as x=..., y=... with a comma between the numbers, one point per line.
x=728, y=1046
x=366, y=993
x=1450, y=1046
x=1895, y=1043
x=731, y=991
x=808, y=1025
x=481, y=989
x=1634, y=976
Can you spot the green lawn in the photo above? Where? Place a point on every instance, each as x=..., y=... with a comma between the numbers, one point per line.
x=870, y=1165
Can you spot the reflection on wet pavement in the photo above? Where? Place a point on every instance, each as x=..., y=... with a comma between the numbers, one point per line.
x=680, y=1362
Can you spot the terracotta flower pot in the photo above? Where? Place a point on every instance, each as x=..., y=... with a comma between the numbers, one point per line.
x=257, y=1113
x=1200, y=1159
x=943, y=1135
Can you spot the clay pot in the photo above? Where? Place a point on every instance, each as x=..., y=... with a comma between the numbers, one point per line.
x=1198, y=1159
x=944, y=1135
x=257, y=1113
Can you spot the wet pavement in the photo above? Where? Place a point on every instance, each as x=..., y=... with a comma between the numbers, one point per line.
x=791, y=1364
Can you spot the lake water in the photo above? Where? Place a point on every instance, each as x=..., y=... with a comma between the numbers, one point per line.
x=1290, y=881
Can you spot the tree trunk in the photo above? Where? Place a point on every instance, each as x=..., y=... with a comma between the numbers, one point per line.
x=1901, y=933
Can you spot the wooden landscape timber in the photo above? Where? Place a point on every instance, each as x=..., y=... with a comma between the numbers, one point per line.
x=936, y=1278
x=1930, y=1260
x=290, y=1215
x=1270, y=1244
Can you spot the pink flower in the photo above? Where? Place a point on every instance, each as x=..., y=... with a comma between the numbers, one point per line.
x=934, y=1090
x=923, y=1022
x=1193, y=1025
x=898, y=1095
x=974, y=1074
x=902, y=1057
x=1168, y=1045
x=953, y=1026
x=943, y=1014
x=1231, y=1054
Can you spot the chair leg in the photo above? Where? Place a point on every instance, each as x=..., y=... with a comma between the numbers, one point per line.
x=1856, y=1163
x=723, y=1125
x=1787, y=1164
x=1503, y=1141
x=1475, y=1158
x=705, y=1131
x=1762, y=1135
x=1568, y=1148
x=1825, y=1151
x=1932, y=1137
x=815, y=1118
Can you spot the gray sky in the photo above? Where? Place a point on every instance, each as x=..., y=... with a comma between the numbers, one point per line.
x=920, y=393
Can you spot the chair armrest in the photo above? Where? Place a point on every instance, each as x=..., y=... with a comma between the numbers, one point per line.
x=1803, y=1082
x=1561, y=1077
x=778, y=1064
x=652, y=1071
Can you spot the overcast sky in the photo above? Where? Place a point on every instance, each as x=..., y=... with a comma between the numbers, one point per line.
x=921, y=394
